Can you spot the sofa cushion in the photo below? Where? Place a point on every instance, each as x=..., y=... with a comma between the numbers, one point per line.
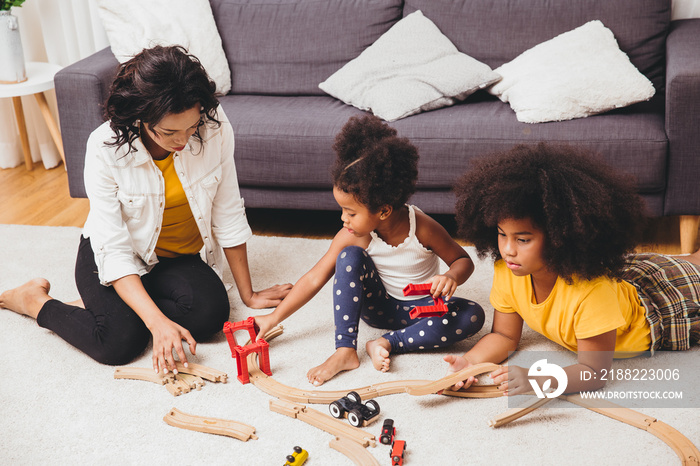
x=287, y=47
x=133, y=26
x=413, y=67
x=497, y=31
x=576, y=74
x=286, y=142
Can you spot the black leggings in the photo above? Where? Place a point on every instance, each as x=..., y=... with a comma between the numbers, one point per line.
x=184, y=288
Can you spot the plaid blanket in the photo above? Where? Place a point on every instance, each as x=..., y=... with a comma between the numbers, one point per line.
x=669, y=290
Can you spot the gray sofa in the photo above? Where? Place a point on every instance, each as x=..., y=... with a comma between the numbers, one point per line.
x=280, y=50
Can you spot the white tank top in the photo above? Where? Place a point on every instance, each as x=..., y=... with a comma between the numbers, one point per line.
x=409, y=262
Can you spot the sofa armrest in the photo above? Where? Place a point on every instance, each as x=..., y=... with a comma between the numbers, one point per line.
x=81, y=90
x=683, y=118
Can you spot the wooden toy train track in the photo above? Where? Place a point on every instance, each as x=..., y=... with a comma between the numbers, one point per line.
x=684, y=448
x=413, y=387
x=687, y=452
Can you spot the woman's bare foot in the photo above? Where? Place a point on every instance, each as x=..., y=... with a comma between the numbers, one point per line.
x=27, y=299
x=378, y=351
x=344, y=359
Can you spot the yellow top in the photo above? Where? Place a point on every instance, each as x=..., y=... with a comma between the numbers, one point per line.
x=581, y=310
x=179, y=234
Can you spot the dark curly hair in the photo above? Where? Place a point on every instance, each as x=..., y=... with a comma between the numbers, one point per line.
x=590, y=214
x=373, y=164
x=157, y=82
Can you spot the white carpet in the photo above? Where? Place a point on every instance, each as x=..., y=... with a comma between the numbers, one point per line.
x=57, y=406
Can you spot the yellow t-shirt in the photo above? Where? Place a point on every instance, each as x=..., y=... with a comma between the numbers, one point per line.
x=179, y=234
x=581, y=310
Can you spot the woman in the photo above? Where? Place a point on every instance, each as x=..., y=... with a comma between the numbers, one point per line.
x=162, y=186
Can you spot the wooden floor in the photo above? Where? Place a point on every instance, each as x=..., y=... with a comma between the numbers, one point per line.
x=40, y=197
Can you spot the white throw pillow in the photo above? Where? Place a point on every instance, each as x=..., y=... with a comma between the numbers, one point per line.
x=132, y=26
x=576, y=74
x=411, y=68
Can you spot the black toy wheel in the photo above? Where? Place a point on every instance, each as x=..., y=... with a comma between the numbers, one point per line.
x=372, y=406
x=354, y=397
x=290, y=459
x=297, y=449
x=355, y=418
x=336, y=409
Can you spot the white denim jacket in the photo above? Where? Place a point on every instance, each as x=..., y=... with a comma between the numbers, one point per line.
x=127, y=197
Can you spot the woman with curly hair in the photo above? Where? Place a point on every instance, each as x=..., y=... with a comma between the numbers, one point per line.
x=562, y=226
x=162, y=187
x=383, y=246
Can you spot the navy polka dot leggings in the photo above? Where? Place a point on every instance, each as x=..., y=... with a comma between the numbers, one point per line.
x=358, y=292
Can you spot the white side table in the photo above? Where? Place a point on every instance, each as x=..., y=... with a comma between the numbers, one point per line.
x=39, y=79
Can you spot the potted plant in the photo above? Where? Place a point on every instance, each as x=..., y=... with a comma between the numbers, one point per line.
x=11, y=54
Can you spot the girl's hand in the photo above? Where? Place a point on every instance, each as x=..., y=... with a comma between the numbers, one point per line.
x=166, y=336
x=443, y=285
x=456, y=364
x=270, y=297
x=265, y=324
x=512, y=380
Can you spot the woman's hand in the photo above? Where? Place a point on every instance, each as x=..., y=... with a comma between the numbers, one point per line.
x=456, y=364
x=512, y=380
x=270, y=297
x=443, y=285
x=166, y=336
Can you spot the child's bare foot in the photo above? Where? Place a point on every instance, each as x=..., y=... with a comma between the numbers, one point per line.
x=27, y=299
x=379, y=350
x=344, y=359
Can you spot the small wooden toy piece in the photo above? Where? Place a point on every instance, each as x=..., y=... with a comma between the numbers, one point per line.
x=398, y=448
x=438, y=309
x=142, y=373
x=323, y=422
x=230, y=328
x=351, y=406
x=354, y=451
x=241, y=354
x=388, y=432
x=207, y=373
x=516, y=413
x=186, y=379
x=193, y=381
x=210, y=425
x=297, y=458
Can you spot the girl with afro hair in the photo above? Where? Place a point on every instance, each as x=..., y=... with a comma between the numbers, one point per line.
x=383, y=246
x=562, y=226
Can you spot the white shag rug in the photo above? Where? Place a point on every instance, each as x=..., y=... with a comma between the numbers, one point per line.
x=58, y=406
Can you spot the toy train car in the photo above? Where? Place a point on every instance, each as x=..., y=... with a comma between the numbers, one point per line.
x=297, y=458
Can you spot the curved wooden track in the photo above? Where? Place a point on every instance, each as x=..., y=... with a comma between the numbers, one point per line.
x=684, y=448
x=355, y=452
x=324, y=422
x=142, y=373
x=415, y=387
x=210, y=425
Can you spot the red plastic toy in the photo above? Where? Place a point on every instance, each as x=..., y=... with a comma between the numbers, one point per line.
x=231, y=327
x=397, y=451
x=438, y=309
x=240, y=353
